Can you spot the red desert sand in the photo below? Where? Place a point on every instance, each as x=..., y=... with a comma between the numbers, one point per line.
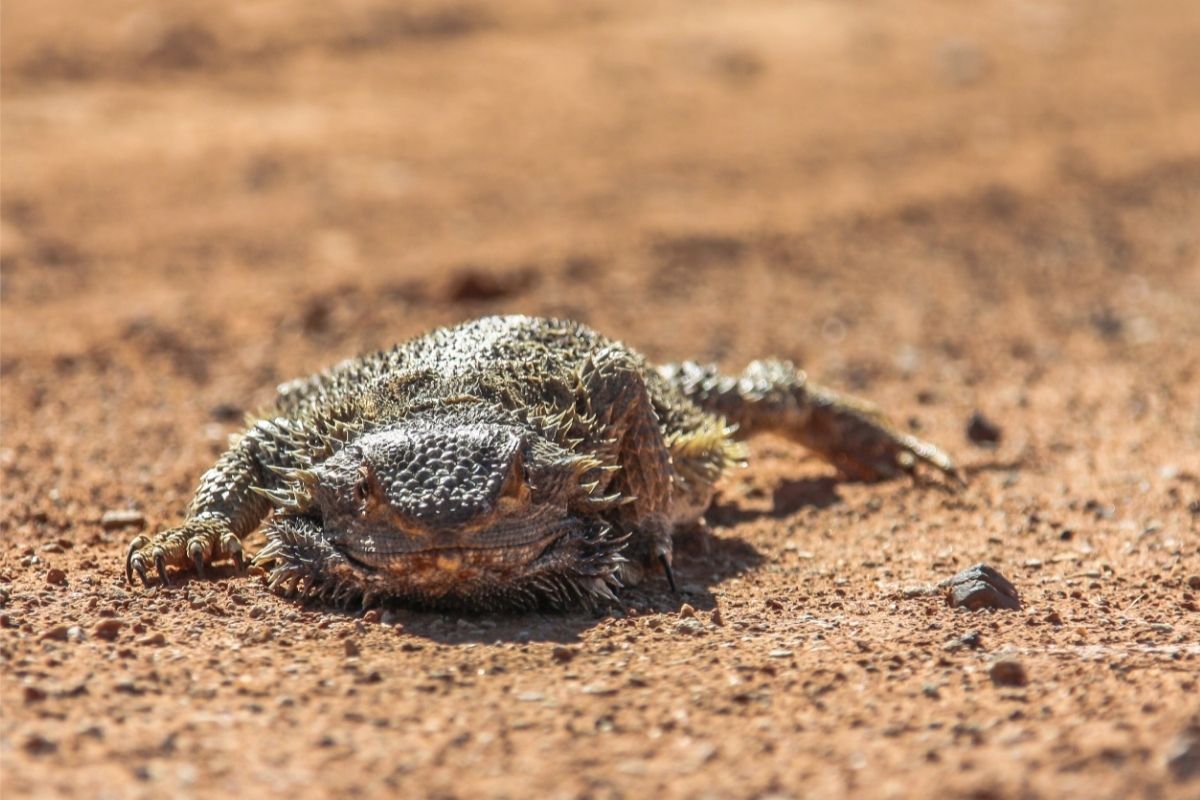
x=983, y=217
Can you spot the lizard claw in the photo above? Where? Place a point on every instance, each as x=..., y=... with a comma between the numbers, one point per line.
x=137, y=565
x=234, y=548
x=134, y=561
x=196, y=551
x=160, y=563
x=666, y=565
x=190, y=547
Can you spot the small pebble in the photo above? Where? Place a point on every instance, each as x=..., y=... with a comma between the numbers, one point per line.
x=39, y=745
x=1008, y=672
x=971, y=639
x=56, y=577
x=122, y=518
x=58, y=633
x=91, y=732
x=108, y=628
x=1193, y=582
x=562, y=654
x=686, y=611
x=226, y=412
x=351, y=648
x=982, y=431
x=155, y=639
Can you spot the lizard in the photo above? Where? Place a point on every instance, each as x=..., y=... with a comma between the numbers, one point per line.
x=504, y=464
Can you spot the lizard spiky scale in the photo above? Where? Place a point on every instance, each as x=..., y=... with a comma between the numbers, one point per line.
x=505, y=463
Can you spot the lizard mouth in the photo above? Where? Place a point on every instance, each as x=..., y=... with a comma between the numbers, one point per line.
x=512, y=545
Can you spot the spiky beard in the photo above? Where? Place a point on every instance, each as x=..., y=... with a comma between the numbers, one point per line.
x=579, y=568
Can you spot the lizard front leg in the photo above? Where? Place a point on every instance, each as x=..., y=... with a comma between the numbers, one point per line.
x=225, y=507
x=613, y=382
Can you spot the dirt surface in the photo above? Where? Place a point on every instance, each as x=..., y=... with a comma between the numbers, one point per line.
x=948, y=208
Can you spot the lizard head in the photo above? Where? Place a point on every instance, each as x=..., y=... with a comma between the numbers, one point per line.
x=458, y=514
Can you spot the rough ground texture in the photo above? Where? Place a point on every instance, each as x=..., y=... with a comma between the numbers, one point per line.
x=947, y=209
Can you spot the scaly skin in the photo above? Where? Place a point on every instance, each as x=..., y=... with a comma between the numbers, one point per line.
x=506, y=463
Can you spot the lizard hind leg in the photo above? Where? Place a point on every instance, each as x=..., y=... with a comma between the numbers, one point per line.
x=772, y=395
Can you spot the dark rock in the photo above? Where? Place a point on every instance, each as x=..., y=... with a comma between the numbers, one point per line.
x=982, y=431
x=979, y=587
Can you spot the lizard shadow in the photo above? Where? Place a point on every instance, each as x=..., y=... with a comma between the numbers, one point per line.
x=787, y=498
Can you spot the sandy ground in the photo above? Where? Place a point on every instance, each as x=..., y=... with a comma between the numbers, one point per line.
x=947, y=208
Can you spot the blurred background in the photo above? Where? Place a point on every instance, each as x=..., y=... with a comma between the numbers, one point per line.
x=264, y=159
